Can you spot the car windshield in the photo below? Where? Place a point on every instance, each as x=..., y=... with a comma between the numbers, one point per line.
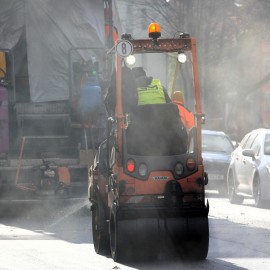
x=216, y=143
x=267, y=145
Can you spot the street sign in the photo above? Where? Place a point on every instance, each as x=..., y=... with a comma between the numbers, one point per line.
x=124, y=48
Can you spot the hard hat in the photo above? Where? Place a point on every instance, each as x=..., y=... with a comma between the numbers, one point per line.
x=179, y=96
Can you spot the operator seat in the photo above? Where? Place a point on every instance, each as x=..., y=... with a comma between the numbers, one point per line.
x=156, y=130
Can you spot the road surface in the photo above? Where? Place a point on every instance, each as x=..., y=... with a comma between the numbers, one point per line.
x=57, y=235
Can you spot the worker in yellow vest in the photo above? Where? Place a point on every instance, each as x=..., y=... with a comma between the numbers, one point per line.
x=150, y=91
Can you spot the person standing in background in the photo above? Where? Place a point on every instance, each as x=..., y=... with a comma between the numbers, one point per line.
x=186, y=116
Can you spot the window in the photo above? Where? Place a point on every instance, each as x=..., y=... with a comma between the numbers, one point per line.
x=216, y=143
x=250, y=141
x=244, y=140
x=256, y=145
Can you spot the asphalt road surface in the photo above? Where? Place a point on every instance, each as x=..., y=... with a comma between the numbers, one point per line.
x=56, y=234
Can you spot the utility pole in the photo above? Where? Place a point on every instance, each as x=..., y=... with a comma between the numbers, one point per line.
x=109, y=21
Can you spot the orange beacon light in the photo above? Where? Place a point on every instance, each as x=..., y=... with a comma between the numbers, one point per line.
x=154, y=31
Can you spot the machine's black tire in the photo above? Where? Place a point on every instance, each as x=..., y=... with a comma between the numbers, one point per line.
x=100, y=229
x=116, y=254
x=120, y=244
x=196, y=243
x=233, y=197
x=189, y=236
x=259, y=202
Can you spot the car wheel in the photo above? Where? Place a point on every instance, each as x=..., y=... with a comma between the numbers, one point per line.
x=233, y=197
x=259, y=202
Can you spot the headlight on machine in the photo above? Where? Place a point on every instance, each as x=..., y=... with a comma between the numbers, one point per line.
x=142, y=169
x=178, y=168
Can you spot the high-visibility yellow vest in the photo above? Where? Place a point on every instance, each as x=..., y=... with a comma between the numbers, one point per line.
x=152, y=94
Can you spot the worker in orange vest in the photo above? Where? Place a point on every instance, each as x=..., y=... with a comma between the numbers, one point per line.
x=186, y=116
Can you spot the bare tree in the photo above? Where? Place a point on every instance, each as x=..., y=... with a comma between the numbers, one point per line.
x=229, y=34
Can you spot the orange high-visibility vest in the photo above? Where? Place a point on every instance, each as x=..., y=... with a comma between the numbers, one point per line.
x=186, y=116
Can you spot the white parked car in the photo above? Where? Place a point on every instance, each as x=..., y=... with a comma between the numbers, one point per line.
x=249, y=170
